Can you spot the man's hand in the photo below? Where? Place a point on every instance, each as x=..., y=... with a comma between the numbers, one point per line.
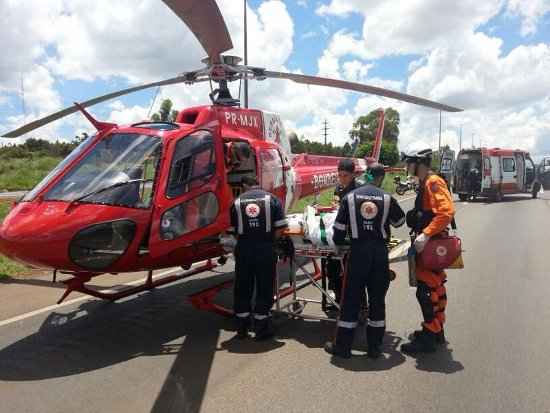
x=420, y=242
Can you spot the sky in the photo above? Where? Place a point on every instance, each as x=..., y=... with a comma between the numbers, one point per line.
x=490, y=57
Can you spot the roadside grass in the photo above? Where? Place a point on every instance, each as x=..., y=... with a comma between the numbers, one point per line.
x=325, y=196
x=23, y=174
x=8, y=267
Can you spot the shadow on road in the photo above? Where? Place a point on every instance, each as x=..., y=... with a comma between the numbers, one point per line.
x=99, y=335
x=441, y=361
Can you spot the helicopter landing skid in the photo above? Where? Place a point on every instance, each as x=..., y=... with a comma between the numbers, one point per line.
x=78, y=284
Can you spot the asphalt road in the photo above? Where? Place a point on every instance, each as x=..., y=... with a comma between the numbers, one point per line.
x=155, y=353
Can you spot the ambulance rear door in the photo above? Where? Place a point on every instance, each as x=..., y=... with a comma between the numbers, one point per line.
x=509, y=174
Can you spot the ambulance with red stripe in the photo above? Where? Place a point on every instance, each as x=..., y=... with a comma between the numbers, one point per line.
x=494, y=172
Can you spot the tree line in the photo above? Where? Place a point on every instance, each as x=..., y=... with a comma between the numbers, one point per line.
x=361, y=139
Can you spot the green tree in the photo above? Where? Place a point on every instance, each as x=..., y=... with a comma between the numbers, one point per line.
x=165, y=113
x=389, y=154
x=365, y=127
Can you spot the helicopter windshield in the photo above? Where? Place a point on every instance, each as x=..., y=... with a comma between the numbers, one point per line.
x=119, y=170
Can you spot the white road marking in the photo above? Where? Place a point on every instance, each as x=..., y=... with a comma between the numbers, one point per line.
x=83, y=298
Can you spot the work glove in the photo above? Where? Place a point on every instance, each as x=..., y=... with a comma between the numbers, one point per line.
x=420, y=242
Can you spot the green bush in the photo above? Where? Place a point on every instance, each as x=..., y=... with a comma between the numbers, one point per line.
x=23, y=174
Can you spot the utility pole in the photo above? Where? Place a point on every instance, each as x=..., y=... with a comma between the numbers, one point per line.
x=245, y=57
x=325, y=131
x=460, y=139
x=473, y=134
x=439, y=146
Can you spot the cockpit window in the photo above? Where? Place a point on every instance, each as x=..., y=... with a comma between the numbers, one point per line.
x=29, y=196
x=193, y=163
x=119, y=170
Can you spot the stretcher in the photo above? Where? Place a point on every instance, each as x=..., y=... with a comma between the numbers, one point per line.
x=305, y=253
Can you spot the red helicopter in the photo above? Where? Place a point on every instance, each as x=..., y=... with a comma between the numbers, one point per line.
x=154, y=195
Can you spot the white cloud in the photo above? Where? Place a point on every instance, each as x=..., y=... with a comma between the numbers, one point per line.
x=413, y=27
x=309, y=35
x=530, y=11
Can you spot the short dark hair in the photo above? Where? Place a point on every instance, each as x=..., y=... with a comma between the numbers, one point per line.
x=377, y=169
x=346, y=165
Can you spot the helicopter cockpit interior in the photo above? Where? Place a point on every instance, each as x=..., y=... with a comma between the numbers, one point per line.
x=240, y=161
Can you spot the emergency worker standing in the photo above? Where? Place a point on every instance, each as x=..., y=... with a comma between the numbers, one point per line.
x=346, y=184
x=432, y=214
x=257, y=220
x=367, y=213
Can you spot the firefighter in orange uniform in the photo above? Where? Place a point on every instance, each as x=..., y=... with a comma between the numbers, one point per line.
x=433, y=213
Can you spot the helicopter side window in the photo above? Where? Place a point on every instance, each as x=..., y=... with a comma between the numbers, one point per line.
x=193, y=163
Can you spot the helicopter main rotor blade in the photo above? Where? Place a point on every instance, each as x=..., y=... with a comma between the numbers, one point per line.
x=358, y=87
x=204, y=19
x=72, y=109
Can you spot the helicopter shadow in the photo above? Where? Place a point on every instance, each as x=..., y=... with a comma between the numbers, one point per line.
x=97, y=335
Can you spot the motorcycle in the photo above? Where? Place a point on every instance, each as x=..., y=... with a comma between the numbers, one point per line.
x=402, y=187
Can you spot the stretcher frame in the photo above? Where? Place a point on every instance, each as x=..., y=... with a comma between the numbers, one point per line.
x=296, y=306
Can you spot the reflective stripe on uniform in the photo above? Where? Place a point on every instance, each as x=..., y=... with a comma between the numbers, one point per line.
x=260, y=316
x=387, y=200
x=347, y=324
x=242, y=315
x=239, y=215
x=267, y=201
x=352, y=216
x=280, y=223
x=374, y=323
x=339, y=226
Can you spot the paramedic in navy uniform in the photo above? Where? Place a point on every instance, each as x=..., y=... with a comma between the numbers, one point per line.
x=346, y=184
x=257, y=220
x=366, y=213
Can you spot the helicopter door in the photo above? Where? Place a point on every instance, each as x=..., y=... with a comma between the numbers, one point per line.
x=192, y=195
x=272, y=177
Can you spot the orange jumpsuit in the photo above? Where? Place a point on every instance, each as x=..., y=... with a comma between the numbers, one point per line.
x=438, y=200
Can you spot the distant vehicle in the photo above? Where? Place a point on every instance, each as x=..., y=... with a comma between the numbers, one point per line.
x=446, y=166
x=492, y=173
x=544, y=173
x=402, y=187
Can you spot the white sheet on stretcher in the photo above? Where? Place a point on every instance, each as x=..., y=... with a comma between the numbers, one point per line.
x=319, y=228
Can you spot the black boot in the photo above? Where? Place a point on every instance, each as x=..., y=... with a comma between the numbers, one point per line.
x=263, y=329
x=341, y=346
x=375, y=335
x=422, y=343
x=439, y=337
x=243, y=325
